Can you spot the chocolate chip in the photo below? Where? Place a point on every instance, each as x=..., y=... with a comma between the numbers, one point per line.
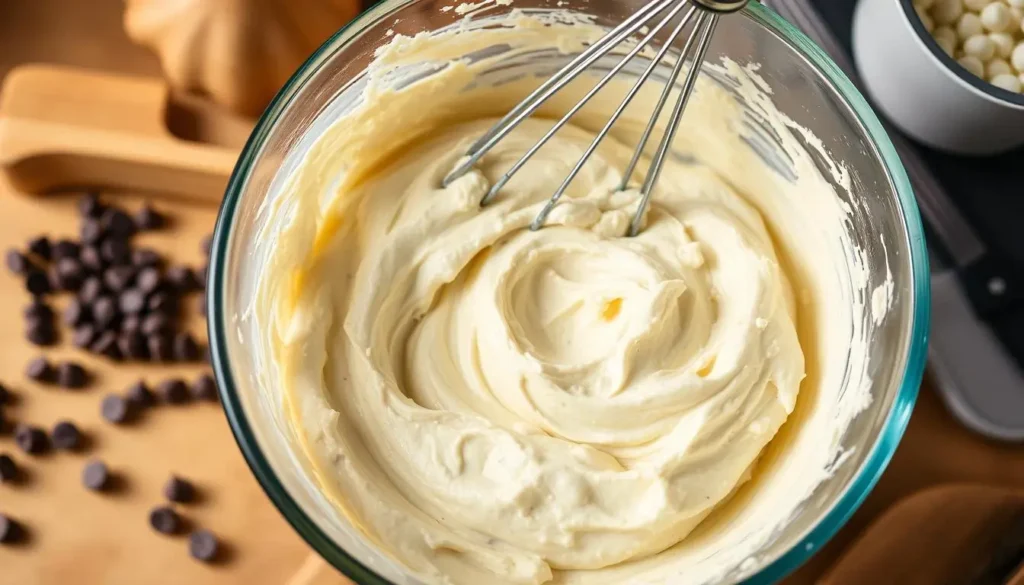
x=92, y=259
x=66, y=249
x=182, y=278
x=139, y=395
x=37, y=282
x=92, y=289
x=41, y=332
x=83, y=336
x=159, y=348
x=207, y=244
x=118, y=278
x=3, y=422
x=115, y=409
x=148, y=218
x=95, y=476
x=185, y=347
x=90, y=232
x=132, y=345
x=105, y=311
x=10, y=530
x=69, y=274
x=76, y=313
x=132, y=301
x=131, y=324
x=38, y=310
x=106, y=345
x=40, y=370
x=144, y=258
x=116, y=250
x=30, y=439
x=149, y=280
x=117, y=223
x=17, y=262
x=204, y=388
x=40, y=246
x=179, y=490
x=66, y=436
x=5, y=395
x=162, y=303
x=8, y=468
x=173, y=391
x=202, y=545
x=165, y=520
x=203, y=275
x=155, y=324
x=89, y=205
x=71, y=375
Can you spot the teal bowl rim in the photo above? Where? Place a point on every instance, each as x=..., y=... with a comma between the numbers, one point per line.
x=856, y=491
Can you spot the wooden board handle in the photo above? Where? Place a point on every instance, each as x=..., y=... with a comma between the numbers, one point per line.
x=62, y=127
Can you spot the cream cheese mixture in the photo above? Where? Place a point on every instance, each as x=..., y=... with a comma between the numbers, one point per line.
x=490, y=404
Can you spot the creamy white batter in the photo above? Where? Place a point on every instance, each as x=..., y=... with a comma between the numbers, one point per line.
x=489, y=404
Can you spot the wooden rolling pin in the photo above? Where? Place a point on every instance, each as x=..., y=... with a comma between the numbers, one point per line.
x=62, y=127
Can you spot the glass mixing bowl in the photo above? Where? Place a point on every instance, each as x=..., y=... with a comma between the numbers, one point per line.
x=806, y=86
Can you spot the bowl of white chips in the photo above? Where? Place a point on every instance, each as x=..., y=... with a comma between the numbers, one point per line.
x=949, y=73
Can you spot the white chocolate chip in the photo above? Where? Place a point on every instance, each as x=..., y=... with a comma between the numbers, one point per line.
x=1016, y=13
x=996, y=17
x=997, y=67
x=1015, y=3
x=972, y=64
x=1007, y=82
x=946, y=39
x=929, y=24
x=947, y=11
x=1020, y=77
x=926, y=4
x=968, y=26
x=979, y=46
x=1017, y=57
x=1003, y=43
x=976, y=5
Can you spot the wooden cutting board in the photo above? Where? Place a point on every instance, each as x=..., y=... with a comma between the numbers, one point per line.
x=79, y=537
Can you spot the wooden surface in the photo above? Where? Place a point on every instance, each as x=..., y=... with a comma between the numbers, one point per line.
x=82, y=538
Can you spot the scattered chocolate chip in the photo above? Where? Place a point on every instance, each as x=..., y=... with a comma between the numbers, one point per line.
x=106, y=345
x=206, y=244
x=182, y=278
x=116, y=251
x=202, y=545
x=117, y=223
x=41, y=333
x=95, y=476
x=10, y=530
x=92, y=259
x=139, y=395
x=83, y=336
x=155, y=324
x=40, y=246
x=132, y=301
x=179, y=490
x=202, y=275
x=30, y=439
x=17, y=262
x=104, y=311
x=149, y=280
x=37, y=282
x=92, y=289
x=159, y=348
x=38, y=310
x=3, y=422
x=76, y=313
x=173, y=391
x=40, y=370
x=71, y=375
x=162, y=303
x=185, y=347
x=8, y=468
x=148, y=218
x=165, y=520
x=89, y=205
x=90, y=232
x=68, y=274
x=115, y=409
x=118, y=278
x=66, y=436
x=144, y=257
x=204, y=388
x=5, y=395
x=131, y=324
x=132, y=345
x=66, y=249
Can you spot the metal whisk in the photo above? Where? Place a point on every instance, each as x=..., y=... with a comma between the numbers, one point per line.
x=707, y=13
